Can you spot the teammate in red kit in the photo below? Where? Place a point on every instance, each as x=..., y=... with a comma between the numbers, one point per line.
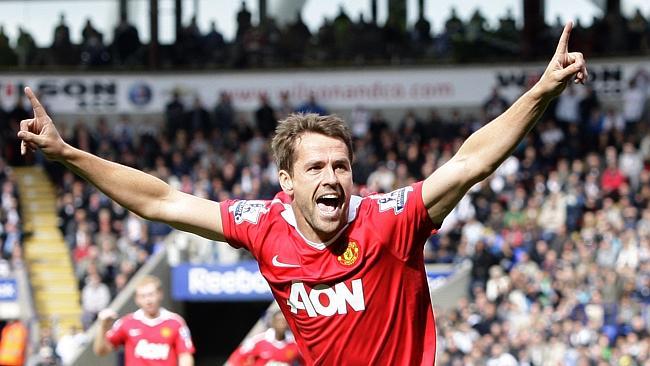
x=347, y=271
x=151, y=336
x=275, y=347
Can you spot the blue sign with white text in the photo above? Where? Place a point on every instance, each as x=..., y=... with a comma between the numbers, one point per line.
x=239, y=282
x=8, y=289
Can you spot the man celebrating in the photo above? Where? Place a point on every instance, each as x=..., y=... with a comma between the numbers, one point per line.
x=151, y=335
x=347, y=271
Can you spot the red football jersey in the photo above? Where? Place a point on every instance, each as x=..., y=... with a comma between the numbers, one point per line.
x=264, y=349
x=361, y=298
x=149, y=342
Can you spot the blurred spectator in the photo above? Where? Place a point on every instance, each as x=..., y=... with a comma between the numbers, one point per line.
x=126, y=43
x=382, y=179
x=89, y=31
x=311, y=106
x=68, y=345
x=13, y=343
x=25, y=47
x=631, y=163
x=174, y=114
x=95, y=296
x=224, y=113
x=12, y=239
x=296, y=41
x=567, y=109
x=44, y=352
x=494, y=105
x=360, y=121
x=63, y=51
x=93, y=51
x=198, y=117
x=634, y=99
x=62, y=32
x=214, y=45
x=265, y=118
x=189, y=45
x=243, y=20
x=285, y=108
x=7, y=54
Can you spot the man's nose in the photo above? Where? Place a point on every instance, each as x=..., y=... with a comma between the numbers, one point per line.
x=330, y=176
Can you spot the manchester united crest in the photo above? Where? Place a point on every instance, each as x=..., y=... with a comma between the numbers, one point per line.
x=351, y=254
x=165, y=332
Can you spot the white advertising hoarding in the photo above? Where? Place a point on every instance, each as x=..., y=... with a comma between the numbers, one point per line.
x=375, y=89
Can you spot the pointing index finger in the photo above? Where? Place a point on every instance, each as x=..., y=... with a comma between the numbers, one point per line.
x=39, y=111
x=563, y=44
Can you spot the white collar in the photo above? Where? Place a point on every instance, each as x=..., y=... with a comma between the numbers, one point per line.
x=289, y=216
x=163, y=315
x=269, y=336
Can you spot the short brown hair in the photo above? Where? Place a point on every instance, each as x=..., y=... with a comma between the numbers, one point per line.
x=295, y=125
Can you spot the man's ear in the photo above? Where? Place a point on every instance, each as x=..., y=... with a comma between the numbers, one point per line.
x=286, y=182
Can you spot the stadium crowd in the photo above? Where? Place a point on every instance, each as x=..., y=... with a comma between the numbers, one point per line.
x=338, y=41
x=10, y=224
x=559, y=236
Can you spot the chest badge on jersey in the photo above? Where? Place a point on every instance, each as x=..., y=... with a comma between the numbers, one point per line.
x=350, y=255
x=165, y=332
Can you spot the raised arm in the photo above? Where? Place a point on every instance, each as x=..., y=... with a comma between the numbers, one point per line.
x=144, y=194
x=486, y=149
x=101, y=345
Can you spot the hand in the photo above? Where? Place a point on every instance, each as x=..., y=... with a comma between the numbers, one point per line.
x=107, y=315
x=39, y=132
x=563, y=67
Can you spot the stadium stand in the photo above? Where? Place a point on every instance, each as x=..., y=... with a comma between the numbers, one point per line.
x=558, y=237
x=340, y=41
x=46, y=254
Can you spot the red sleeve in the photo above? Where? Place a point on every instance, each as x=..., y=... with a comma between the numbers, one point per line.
x=184, y=342
x=117, y=334
x=238, y=358
x=246, y=353
x=402, y=220
x=240, y=220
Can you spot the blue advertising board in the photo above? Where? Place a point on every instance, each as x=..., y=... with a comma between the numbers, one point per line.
x=437, y=278
x=8, y=289
x=238, y=282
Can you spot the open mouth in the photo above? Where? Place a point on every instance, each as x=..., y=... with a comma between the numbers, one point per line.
x=329, y=204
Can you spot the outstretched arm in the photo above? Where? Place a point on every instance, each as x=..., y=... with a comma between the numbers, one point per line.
x=486, y=149
x=144, y=194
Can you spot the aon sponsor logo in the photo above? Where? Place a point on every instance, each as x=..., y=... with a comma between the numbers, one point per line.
x=325, y=300
x=151, y=351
